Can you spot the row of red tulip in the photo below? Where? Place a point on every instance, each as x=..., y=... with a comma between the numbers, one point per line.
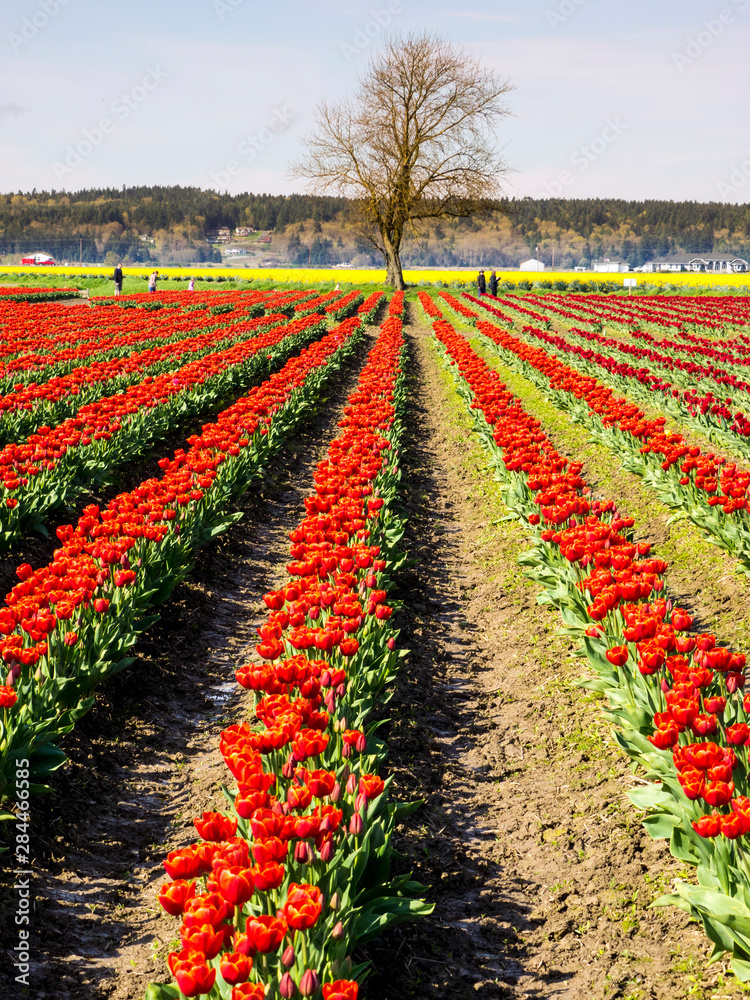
x=272, y=899
x=671, y=352
x=369, y=307
x=668, y=688
x=19, y=293
x=40, y=342
x=348, y=305
x=68, y=625
x=33, y=404
x=712, y=314
x=54, y=465
x=705, y=412
x=711, y=491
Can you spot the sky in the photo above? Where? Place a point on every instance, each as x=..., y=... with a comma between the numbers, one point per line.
x=640, y=100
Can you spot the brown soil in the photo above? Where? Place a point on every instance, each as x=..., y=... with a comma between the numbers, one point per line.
x=539, y=870
x=537, y=865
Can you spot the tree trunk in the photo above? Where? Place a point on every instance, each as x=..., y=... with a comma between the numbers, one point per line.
x=394, y=275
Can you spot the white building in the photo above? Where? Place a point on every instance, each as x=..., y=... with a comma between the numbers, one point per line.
x=610, y=265
x=708, y=263
x=531, y=265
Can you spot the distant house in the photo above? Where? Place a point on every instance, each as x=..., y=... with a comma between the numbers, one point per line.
x=531, y=265
x=609, y=265
x=265, y=239
x=221, y=235
x=235, y=252
x=38, y=258
x=243, y=231
x=707, y=263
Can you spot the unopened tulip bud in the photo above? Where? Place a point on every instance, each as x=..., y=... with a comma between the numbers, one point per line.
x=351, y=784
x=302, y=852
x=278, y=808
x=325, y=825
x=341, y=689
x=338, y=931
x=360, y=744
x=289, y=958
x=287, y=987
x=344, y=724
x=371, y=581
x=335, y=902
x=330, y=701
x=285, y=808
x=309, y=984
x=325, y=678
x=356, y=825
x=326, y=852
x=391, y=644
x=124, y=561
x=335, y=795
x=360, y=803
x=346, y=751
x=345, y=772
x=287, y=770
x=313, y=612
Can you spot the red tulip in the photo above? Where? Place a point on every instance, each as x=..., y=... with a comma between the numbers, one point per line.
x=174, y=895
x=304, y=904
x=617, y=655
x=193, y=975
x=235, y=968
x=265, y=933
x=342, y=989
x=708, y=826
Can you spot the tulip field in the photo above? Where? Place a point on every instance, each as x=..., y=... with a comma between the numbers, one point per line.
x=362, y=829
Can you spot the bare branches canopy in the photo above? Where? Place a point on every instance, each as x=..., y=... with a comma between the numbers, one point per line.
x=416, y=141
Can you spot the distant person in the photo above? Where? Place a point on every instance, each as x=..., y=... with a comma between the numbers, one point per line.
x=191, y=285
x=338, y=287
x=152, y=281
x=481, y=284
x=493, y=284
x=118, y=279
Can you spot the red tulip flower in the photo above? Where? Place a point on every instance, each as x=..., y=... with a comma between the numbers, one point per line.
x=215, y=826
x=193, y=975
x=265, y=933
x=304, y=904
x=235, y=968
x=617, y=655
x=174, y=895
x=342, y=989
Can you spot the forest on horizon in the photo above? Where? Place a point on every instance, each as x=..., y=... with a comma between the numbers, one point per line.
x=169, y=225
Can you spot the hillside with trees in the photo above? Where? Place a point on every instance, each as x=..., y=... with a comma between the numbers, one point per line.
x=169, y=225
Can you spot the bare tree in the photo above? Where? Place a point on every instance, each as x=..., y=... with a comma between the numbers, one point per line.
x=416, y=141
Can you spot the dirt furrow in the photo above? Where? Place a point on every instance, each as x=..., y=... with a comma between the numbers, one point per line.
x=145, y=760
x=539, y=869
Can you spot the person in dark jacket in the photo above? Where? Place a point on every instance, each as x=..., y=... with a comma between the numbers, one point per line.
x=118, y=279
x=481, y=283
x=493, y=284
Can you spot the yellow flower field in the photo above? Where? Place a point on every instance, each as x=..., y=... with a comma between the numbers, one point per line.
x=377, y=275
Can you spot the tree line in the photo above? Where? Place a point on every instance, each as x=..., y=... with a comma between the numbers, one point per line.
x=98, y=224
